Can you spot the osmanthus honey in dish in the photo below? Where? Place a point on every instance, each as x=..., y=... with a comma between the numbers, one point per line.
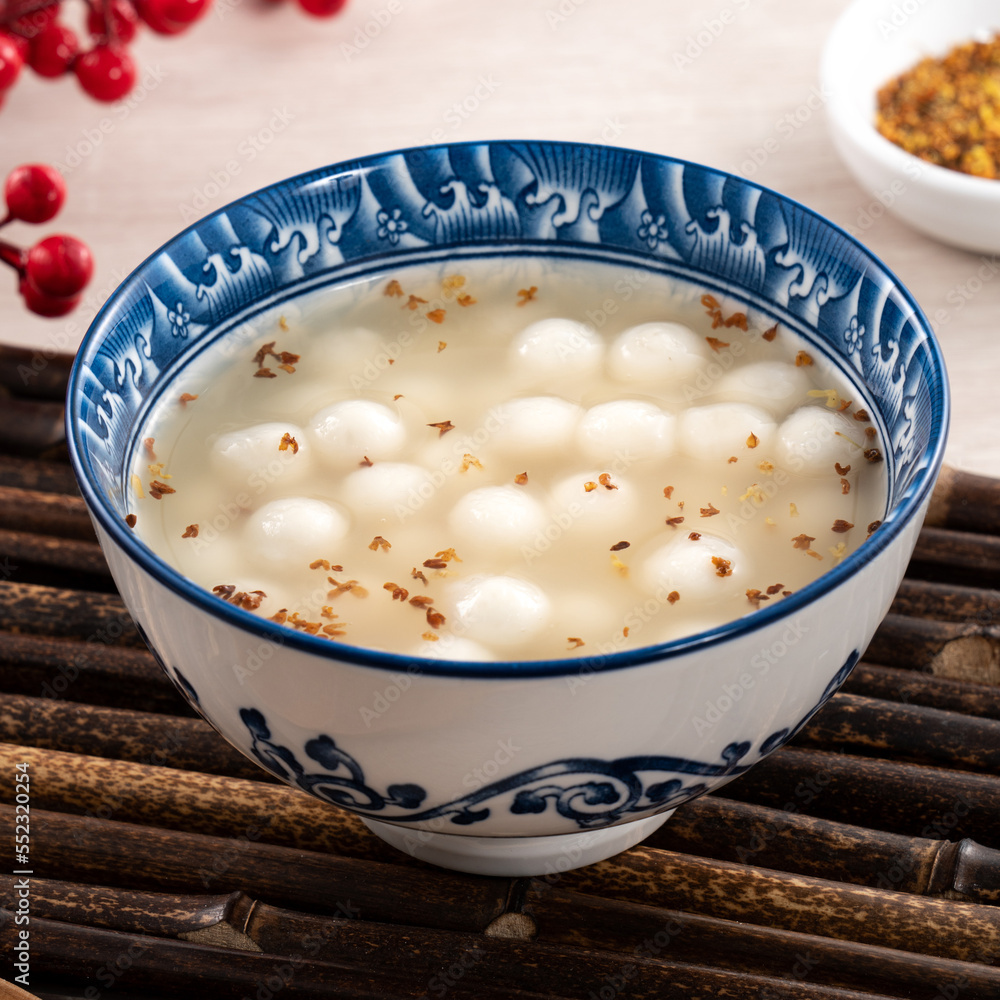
x=480, y=463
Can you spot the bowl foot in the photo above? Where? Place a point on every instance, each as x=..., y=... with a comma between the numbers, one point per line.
x=517, y=856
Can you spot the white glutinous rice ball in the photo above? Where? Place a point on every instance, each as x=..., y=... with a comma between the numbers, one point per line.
x=555, y=347
x=348, y=431
x=609, y=511
x=387, y=488
x=533, y=424
x=500, y=611
x=814, y=439
x=666, y=353
x=776, y=385
x=295, y=529
x=252, y=456
x=721, y=430
x=687, y=566
x=453, y=647
x=497, y=517
x=627, y=429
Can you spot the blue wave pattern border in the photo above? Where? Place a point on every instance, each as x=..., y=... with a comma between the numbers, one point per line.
x=529, y=194
x=585, y=790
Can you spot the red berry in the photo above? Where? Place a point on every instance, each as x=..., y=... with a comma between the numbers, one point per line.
x=53, y=50
x=34, y=192
x=46, y=305
x=106, y=72
x=59, y=266
x=169, y=17
x=11, y=62
x=124, y=22
x=322, y=8
x=22, y=44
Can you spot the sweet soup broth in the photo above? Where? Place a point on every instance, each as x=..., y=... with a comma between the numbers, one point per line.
x=483, y=461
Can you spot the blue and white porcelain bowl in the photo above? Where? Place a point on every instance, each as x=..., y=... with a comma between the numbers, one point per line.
x=514, y=768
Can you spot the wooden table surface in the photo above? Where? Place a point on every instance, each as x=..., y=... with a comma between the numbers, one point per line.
x=259, y=91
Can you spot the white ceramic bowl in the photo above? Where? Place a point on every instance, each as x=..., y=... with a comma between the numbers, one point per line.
x=872, y=42
x=519, y=768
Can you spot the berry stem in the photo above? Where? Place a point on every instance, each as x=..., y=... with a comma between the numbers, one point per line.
x=14, y=256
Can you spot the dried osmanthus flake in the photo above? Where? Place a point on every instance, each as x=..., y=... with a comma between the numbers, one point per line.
x=287, y=441
x=147, y=444
x=793, y=511
x=724, y=491
x=465, y=300
x=625, y=631
x=137, y=486
x=443, y=426
x=436, y=315
x=378, y=542
x=334, y=630
x=327, y=612
x=283, y=323
x=435, y=564
x=845, y=486
x=618, y=546
x=771, y=333
x=366, y=462
x=398, y=395
x=841, y=526
x=442, y=344
x=224, y=590
x=802, y=541
x=694, y=535
x=527, y=295
x=770, y=522
x=732, y=459
x=394, y=289
x=351, y=586
x=130, y=520
x=434, y=618
x=158, y=489
x=418, y=575
x=264, y=373
x=752, y=440
x=575, y=642
x=280, y=616
x=766, y=467
x=716, y=344
x=723, y=567
x=755, y=493
x=803, y=360
x=157, y=470
x=673, y=597
x=266, y=350
x=590, y=486
x=710, y=511
x=468, y=461
x=617, y=564
x=429, y=636
x=452, y=281
x=251, y=601
x=755, y=597
x=421, y=601
x=191, y=531
x=674, y=521
x=605, y=480
x=873, y=527
x=873, y=455
x=738, y=319
x=870, y=432
x=414, y=302
x=187, y=397
x=775, y=587
x=448, y=555
x=841, y=470
x=398, y=593
x=521, y=479
x=668, y=491
x=304, y=624
x=839, y=550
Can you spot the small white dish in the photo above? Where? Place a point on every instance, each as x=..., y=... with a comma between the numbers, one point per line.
x=871, y=43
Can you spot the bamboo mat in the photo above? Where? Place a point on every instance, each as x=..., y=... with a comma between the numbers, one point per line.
x=863, y=860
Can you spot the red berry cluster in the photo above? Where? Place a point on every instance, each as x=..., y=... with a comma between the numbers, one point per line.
x=31, y=33
x=54, y=272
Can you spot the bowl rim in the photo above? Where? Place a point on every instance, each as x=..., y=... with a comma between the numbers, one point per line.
x=856, y=127
x=165, y=575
